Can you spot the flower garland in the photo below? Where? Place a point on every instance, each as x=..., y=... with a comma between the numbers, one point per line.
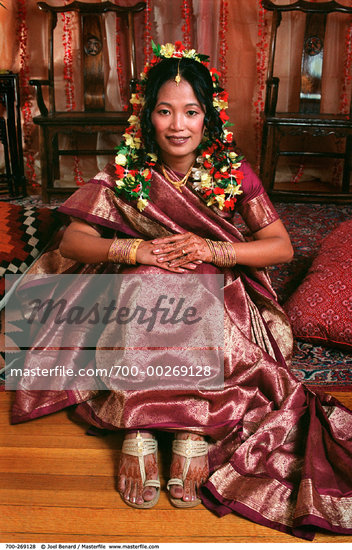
x=223, y=41
x=147, y=37
x=68, y=61
x=261, y=68
x=216, y=175
x=26, y=108
x=69, y=83
x=119, y=68
x=186, y=27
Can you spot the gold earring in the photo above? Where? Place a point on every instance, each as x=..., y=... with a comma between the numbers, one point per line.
x=178, y=76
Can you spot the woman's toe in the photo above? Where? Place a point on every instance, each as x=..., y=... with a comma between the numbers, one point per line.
x=121, y=484
x=176, y=491
x=128, y=487
x=149, y=493
x=187, y=491
x=135, y=492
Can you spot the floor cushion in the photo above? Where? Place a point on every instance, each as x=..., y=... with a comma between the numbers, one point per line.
x=320, y=310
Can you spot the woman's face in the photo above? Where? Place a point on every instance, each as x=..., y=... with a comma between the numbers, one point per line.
x=178, y=119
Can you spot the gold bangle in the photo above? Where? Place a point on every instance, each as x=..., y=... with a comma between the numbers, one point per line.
x=223, y=253
x=133, y=251
x=124, y=251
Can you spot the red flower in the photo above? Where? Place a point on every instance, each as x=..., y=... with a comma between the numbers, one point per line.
x=224, y=117
x=229, y=137
x=229, y=203
x=215, y=73
x=179, y=46
x=133, y=173
x=120, y=171
x=137, y=188
x=238, y=175
x=208, y=192
x=147, y=176
x=224, y=95
x=207, y=164
x=154, y=60
x=218, y=175
x=224, y=175
x=218, y=191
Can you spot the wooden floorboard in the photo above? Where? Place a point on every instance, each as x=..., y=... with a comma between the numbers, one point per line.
x=57, y=484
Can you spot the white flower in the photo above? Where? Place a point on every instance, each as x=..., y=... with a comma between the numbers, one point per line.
x=197, y=186
x=220, y=103
x=167, y=50
x=189, y=53
x=135, y=99
x=220, y=199
x=141, y=204
x=132, y=142
x=153, y=157
x=120, y=184
x=196, y=174
x=134, y=120
x=206, y=179
x=121, y=159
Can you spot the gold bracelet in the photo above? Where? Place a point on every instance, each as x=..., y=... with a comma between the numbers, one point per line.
x=124, y=251
x=223, y=253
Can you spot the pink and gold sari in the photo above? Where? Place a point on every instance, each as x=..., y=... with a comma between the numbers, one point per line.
x=279, y=454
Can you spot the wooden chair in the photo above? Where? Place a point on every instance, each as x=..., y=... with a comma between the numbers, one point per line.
x=93, y=117
x=308, y=122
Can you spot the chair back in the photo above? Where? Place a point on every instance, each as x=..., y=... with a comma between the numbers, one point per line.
x=94, y=55
x=317, y=16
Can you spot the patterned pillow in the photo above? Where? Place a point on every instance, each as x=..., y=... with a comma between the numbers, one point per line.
x=320, y=309
x=24, y=232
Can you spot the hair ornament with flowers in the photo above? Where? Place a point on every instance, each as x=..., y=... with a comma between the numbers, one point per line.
x=216, y=174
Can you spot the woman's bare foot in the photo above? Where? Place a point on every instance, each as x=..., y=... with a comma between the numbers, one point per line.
x=197, y=474
x=130, y=484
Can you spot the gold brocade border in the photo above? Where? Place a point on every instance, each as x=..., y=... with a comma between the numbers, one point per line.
x=268, y=497
x=258, y=212
x=138, y=221
x=335, y=510
x=276, y=502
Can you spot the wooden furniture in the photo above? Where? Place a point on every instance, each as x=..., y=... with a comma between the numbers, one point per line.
x=11, y=136
x=308, y=122
x=94, y=65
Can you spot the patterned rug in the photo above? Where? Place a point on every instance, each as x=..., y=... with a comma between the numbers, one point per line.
x=320, y=368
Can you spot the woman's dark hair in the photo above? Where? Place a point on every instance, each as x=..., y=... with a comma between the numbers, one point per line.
x=198, y=76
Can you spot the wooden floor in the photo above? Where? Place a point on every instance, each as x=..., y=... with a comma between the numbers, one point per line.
x=58, y=485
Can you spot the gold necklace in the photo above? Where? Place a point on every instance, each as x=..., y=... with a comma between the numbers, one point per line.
x=177, y=183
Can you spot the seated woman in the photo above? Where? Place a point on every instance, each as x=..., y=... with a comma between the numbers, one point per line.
x=264, y=445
